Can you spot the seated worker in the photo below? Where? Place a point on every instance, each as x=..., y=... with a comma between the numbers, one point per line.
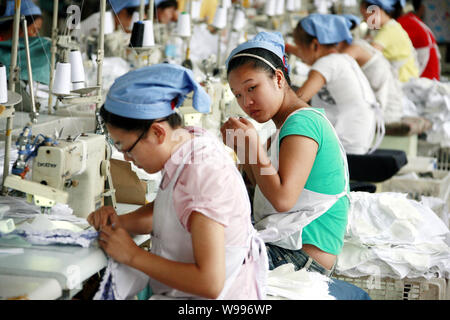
x=203, y=242
x=39, y=47
x=378, y=72
x=336, y=82
x=301, y=200
x=423, y=40
x=391, y=39
x=32, y=13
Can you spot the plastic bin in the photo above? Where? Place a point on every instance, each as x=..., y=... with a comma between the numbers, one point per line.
x=400, y=289
x=435, y=184
x=442, y=154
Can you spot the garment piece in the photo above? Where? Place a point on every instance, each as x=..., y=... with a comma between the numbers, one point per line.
x=58, y=236
x=398, y=49
x=285, y=228
x=342, y=290
x=348, y=101
x=384, y=83
x=327, y=28
x=27, y=8
x=425, y=44
x=170, y=236
x=154, y=92
x=39, y=56
x=327, y=176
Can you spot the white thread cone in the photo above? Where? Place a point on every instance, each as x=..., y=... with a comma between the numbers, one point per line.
x=62, y=80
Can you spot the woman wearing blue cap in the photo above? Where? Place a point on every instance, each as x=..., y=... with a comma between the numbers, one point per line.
x=32, y=14
x=391, y=39
x=336, y=82
x=203, y=242
x=301, y=197
x=379, y=73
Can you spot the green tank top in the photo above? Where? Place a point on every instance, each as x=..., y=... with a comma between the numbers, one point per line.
x=327, y=176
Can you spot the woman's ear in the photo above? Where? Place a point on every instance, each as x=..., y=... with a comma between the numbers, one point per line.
x=315, y=44
x=157, y=132
x=279, y=78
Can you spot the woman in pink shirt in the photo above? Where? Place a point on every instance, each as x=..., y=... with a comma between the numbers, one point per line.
x=203, y=242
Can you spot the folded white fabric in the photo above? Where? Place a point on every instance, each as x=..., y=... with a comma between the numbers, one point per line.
x=285, y=283
x=389, y=235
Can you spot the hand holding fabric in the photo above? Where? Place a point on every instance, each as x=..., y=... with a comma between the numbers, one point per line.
x=103, y=217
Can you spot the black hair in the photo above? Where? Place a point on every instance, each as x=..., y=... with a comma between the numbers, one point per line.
x=416, y=4
x=7, y=26
x=301, y=36
x=259, y=64
x=129, y=124
x=167, y=4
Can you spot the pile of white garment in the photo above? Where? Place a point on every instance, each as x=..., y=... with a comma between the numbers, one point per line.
x=432, y=101
x=284, y=282
x=391, y=236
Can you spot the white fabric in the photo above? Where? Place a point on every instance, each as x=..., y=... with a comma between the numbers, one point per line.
x=385, y=85
x=285, y=283
x=391, y=236
x=348, y=101
x=431, y=100
x=285, y=229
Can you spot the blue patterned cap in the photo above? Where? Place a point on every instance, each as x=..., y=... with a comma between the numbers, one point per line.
x=27, y=8
x=154, y=92
x=327, y=28
x=272, y=41
x=118, y=5
x=387, y=5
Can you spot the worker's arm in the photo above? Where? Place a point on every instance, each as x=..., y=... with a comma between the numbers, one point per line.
x=205, y=277
x=377, y=46
x=296, y=158
x=311, y=86
x=139, y=221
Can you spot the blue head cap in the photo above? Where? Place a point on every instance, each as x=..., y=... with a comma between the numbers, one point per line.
x=386, y=5
x=27, y=8
x=272, y=41
x=158, y=2
x=118, y=5
x=154, y=92
x=327, y=28
x=352, y=20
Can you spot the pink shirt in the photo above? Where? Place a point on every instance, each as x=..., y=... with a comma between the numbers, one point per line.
x=211, y=184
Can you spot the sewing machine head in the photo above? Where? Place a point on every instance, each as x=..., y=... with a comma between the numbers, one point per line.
x=71, y=171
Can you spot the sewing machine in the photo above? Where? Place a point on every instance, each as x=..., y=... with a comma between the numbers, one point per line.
x=73, y=171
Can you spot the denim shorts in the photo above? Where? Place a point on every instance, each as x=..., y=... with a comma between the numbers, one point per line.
x=299, y=258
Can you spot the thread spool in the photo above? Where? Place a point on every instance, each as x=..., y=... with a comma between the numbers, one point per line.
x=184, y=25
x=270, y=8
x=62, y=81
x=290, y=5
x=134, y=18
x=77, y=68
x=239, y=20
x=3, y=84
x=149, y=36
x=227, y=4
x=109, y=22
x=195, y=11
x=220, y=18
x=280, y=7
x=137, y=34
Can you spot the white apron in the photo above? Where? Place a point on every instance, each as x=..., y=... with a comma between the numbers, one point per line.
x=172, y=241
x=284, y=229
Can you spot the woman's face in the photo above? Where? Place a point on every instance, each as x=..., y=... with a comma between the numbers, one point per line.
x=140, y=144
x=259, y=95
x=34, y=28
x=306, y=52
x=167, y=15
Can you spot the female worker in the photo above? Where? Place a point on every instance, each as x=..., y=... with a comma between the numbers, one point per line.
x=391, y=39
x=203, y=242
x=301, y=200
x=336, y=82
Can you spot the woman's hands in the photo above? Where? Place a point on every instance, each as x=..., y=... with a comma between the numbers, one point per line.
x=113, y=238
x=240, y=135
